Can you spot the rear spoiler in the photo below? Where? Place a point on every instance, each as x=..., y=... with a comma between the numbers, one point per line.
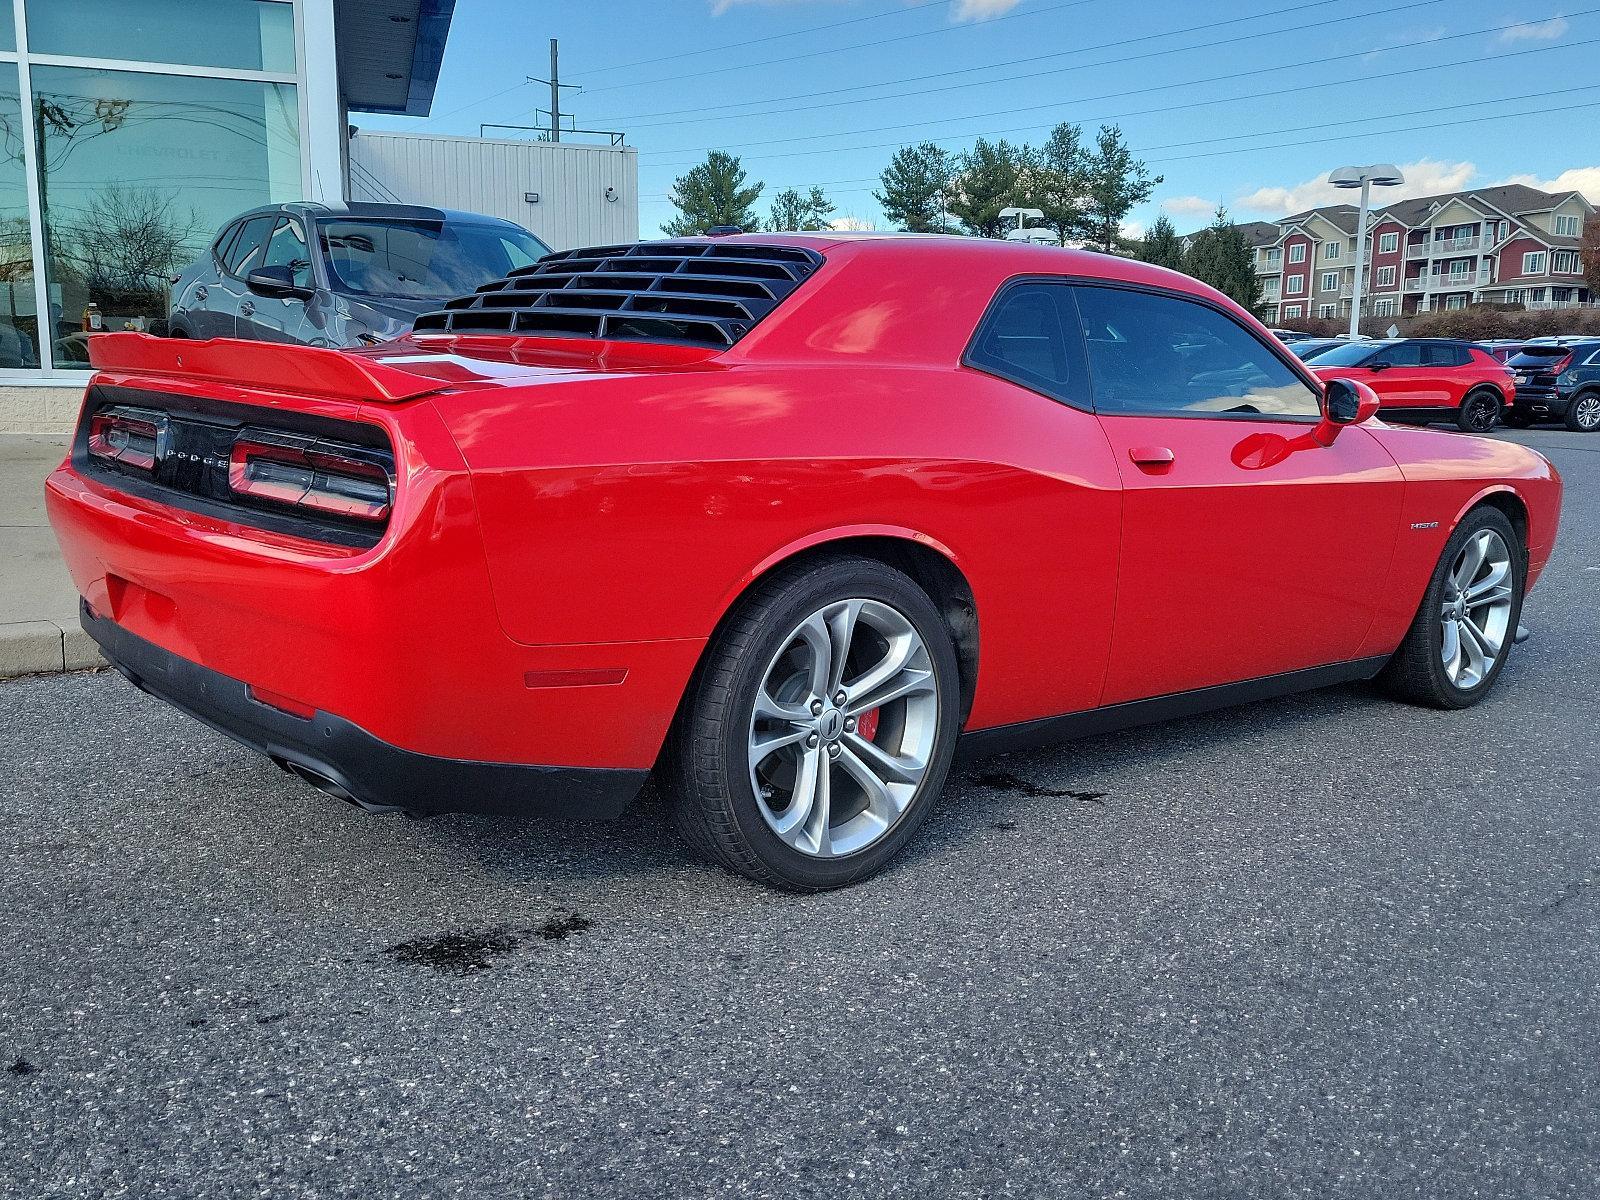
x=301, y=370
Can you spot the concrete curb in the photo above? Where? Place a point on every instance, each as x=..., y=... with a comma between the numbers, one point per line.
x=45, y=648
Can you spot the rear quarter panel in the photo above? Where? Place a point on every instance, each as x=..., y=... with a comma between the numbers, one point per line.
x=652, y=529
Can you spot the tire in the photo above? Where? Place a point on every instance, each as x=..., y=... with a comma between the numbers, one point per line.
x=1479, y=411
x=1418, y=672
x=1512, y=419
x=1583, y=413
x=713, y=765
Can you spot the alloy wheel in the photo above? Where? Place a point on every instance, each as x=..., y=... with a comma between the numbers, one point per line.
x=843, y=728
x=1587, y=413
x=1481, y=412
x=1476, y=610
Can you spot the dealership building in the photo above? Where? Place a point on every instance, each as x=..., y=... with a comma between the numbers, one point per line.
x=134, y=129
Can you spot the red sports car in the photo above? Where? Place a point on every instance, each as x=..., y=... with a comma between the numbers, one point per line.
x=1419, y=380
x=779, y=518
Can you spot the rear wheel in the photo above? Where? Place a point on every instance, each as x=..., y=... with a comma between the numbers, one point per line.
x=1583, y=414
x=1479, y=411
x=819, y=728
x=1464, y=630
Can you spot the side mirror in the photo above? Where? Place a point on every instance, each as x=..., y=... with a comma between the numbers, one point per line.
x=275, y=281
x=1344, y=402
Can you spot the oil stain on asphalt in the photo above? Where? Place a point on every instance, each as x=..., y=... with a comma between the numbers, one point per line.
x=466, y=952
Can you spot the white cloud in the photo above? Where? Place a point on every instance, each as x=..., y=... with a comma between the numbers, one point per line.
x=980, y=10
x=1133, y=229
x=1425, y=177
x=1189, y=206
x=853, y=224
x=1405, y=38
x=1535, y=31
x=1575, y=179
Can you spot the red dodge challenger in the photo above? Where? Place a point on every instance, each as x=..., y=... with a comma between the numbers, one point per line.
x=780, y=519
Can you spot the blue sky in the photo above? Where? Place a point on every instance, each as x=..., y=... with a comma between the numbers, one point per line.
x=1249, y=102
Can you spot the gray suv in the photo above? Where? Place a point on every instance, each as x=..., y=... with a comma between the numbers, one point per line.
x=345, y=275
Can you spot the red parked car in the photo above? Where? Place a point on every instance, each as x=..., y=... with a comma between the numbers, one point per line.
x=1420, y=380
x=779, y=518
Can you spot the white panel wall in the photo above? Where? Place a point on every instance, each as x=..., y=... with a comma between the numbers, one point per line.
x=480, y=175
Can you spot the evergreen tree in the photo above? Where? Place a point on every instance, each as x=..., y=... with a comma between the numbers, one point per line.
x=794, y=211
x=1162, y=246
x=1220, y=256
x=713, y=193
x=1117, y=182
x=990, y=176
x=1058, y=182
x=916, y=186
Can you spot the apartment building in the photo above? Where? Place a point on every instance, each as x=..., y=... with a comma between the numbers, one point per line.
x=1502, y=245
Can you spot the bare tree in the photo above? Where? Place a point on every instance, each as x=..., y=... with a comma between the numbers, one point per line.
x=128, y=241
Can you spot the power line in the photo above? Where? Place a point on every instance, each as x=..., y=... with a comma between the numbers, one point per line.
x=1110, y=96
x=792, y=58
x=640, y=122
x=771, y=37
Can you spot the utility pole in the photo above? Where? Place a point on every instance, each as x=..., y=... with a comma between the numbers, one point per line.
x=555, y=91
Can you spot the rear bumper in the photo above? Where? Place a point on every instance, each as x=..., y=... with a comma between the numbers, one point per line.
x=345, y=760
x=1539, y=403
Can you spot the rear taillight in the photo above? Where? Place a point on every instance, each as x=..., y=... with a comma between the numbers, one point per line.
x=313, y=473
x=129, y=436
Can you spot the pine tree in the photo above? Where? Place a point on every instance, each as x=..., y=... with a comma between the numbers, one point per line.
x=916, y=187
x=1220, y=256
x=1058, y=182
x=713, y=193
x=990, y=176
x=794, y=211
x=1117, y=182
x=1162, y=246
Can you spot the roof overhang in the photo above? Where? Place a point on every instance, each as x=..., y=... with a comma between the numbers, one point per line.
x=390, y=52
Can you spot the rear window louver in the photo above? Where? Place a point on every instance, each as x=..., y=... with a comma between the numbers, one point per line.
x=698, y=293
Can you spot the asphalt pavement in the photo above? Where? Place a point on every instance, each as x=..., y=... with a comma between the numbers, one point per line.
x=1330, y=946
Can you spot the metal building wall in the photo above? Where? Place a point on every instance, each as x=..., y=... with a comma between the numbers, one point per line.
x=481, y=175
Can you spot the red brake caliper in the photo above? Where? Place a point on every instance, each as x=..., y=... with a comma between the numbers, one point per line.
x=867, y=724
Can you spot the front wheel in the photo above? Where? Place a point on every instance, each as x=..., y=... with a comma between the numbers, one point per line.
x=1583, y=414
x=1478, y=412
x=819, y=728
x=1463, y=632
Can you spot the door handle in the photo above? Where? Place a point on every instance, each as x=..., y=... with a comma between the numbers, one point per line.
x=200, y=293
x=247, y=308
x=1151, y=456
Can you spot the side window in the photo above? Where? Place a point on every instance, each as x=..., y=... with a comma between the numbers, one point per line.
x=287, y=248
x=224, y=244
x=1403, y=354
x=1025, y=338
x=245, y=252
x=1151, y=353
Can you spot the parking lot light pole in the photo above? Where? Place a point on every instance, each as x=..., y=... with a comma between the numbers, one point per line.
x=1384, y=175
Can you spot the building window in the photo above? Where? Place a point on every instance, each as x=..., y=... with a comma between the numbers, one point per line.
x=1568, y=226
x=1291, y=312
x=1388, y=243
x=1330, y=281
x=1332, y=249
x=1533, y=262
x=19, y=318
x=1455, y=301
x=1516, y=296
x=1564, y=262
x=1324, y=310
x=1294, y=285
x=1297, y=252
x=248, y=35
x=1274, y=256
x=1383, y=308
x=1385, y=276
x=139, y=172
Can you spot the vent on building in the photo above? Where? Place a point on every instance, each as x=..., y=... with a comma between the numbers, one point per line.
x=700, y=293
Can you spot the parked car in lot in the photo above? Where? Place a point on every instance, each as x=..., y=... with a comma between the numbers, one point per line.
x=757, y=514
x=1290, y=336
x=1557, y=381
x=1307, y=349
x=1500, y=349
x=345, y=275
x=1422, y=380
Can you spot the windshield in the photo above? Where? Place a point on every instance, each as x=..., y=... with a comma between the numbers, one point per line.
x=1351, y=354
x=422, y=260
x=1538, y=356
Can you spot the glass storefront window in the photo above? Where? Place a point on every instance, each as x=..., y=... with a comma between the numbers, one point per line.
x=19, y=318
x=8, y=26
x=250, y=35
x=137, y=173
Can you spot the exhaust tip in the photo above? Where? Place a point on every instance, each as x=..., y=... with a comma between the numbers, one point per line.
x=331, y=786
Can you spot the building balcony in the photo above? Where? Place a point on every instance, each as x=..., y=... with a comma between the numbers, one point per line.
x=1450, y=245
x=1416, y=283
x=1416, y=250
x=1456, y=280
x=1269, y=268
